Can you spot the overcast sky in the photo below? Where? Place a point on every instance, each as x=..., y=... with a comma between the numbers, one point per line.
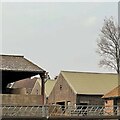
x=56, y=36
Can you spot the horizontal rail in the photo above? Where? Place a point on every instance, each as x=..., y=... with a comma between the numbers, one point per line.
x=60, y=111
x=62, y=118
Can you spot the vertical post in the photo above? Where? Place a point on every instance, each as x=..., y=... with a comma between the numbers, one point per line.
x=43, y=111
x=42, y=87
x=42, y=92
x=119, y=45
x=1, y=95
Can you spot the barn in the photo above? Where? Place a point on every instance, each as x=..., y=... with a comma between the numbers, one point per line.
x=81, y=88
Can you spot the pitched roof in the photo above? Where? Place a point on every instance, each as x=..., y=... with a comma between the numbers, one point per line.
x=49, y=86
x=17, y=63
x=113, y=93
x=90, y=83
x=29, y=84
x=25, y=83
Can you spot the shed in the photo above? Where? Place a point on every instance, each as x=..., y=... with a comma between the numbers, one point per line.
x=112, y=97
x=16, y=67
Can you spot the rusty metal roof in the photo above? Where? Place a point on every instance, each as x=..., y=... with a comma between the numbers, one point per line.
x=17, y=63
x=113, y=93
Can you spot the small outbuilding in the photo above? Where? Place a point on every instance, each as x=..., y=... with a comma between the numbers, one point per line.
x=112, y=100
x=112, y=97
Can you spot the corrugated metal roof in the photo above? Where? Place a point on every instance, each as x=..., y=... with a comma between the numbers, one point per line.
x=90, y=83
x=113, y=93
x=17, y=63
x=49, y=86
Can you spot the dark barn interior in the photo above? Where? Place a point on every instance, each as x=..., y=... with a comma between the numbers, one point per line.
x=12, y=76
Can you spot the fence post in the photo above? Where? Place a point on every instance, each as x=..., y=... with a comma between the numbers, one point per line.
x=43, y=111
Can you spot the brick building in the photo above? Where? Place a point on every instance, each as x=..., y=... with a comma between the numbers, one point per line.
x=32, y=86
x=81, y=88
x=28, y=86
x=112, y=97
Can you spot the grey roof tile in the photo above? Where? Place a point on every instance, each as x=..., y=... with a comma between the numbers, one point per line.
x=17, y=63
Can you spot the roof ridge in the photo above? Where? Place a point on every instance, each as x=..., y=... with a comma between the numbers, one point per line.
x=88, y=72
x=33, y=63
x=10, y=55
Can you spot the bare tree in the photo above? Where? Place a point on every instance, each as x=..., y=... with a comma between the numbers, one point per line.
x=109, y=45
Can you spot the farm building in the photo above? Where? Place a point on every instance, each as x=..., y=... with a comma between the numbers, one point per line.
x=14, y=68
x=32, y=86
x=28, y=86
x=112, y=97
x=81, y=88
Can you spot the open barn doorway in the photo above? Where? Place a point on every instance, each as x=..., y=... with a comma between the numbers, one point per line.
x=62, y=104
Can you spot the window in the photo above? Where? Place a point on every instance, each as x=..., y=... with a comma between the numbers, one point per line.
x=106, y=101
x=60, y=87
x=37, y=91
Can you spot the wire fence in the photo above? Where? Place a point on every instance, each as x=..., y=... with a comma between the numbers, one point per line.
x=57, y=110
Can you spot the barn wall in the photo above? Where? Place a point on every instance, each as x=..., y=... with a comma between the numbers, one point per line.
x=36, y=89
x=90, y=99
x=62, y=92
x=16, y=99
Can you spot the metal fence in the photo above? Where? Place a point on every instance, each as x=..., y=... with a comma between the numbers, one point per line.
x=57, y=110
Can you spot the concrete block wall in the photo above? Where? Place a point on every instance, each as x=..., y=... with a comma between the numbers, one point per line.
x=16, y=99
